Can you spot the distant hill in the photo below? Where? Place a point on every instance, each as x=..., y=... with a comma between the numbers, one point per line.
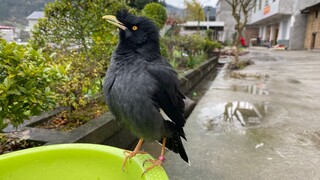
x=179, y=12
x=175, y=11
x=15, y=11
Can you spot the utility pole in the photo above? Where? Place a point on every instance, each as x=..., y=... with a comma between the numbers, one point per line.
x=208, y=13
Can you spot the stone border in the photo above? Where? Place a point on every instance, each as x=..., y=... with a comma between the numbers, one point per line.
x=104, y=129
x=192, y=77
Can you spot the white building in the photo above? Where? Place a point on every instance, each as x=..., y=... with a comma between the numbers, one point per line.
x=191, y=27
x=281, y=21
x=224, y=14
x=7, y=33
x=33, y=19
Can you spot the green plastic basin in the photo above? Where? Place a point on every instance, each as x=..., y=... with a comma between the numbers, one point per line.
x=74, y=162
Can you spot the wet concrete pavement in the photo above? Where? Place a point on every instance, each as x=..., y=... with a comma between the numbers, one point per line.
x=260, y=123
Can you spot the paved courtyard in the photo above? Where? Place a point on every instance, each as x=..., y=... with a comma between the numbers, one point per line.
x=261, y=122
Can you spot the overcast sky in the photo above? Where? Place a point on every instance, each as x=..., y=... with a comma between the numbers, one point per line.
x=180, y=4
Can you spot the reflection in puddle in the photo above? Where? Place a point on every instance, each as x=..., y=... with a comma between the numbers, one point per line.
x=237, y=113
x=255, y=89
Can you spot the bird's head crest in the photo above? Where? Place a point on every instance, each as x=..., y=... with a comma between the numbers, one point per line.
x=136, y=30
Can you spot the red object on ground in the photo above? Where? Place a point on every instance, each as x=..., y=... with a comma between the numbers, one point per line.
x=243, y=43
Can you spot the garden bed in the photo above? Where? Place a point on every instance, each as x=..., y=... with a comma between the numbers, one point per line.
x=8, y=144
x=101, y=130
x=67, y=121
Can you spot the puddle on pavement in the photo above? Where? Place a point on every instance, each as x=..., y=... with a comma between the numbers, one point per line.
x=236, y=114
x=309, y=138
x=254, y=89
x=293, y=81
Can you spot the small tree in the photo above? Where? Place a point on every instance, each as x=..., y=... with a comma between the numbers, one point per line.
x=78, y=25
x=156, y=12
x=77, y=34
x=240, y=13
x=174, y=22
x=140, y=4
x=27, y=77
x=194, y=11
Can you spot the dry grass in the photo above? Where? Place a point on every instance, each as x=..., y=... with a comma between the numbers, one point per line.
x=239, y=75
x=240, y=64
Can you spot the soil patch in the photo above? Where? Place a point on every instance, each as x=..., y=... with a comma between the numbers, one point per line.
x=8, y=144
x=67, y=121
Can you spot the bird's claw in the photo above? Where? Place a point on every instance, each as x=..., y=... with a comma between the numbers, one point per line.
x=155, y=163
x=128, y=155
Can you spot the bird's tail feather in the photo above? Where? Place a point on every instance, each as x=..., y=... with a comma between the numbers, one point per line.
x=174, y=144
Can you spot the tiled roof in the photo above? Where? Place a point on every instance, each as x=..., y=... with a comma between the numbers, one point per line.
x=36, y=15
x=6, y=27
x=307, y=9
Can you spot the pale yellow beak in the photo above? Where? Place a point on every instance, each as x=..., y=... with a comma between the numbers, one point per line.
x=113, y=20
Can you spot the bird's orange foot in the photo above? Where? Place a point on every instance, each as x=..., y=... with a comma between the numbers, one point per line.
x=128, y=155
x=155, y=163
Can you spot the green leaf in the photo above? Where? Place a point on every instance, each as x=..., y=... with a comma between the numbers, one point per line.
x=32, y=99
x=22, y=89
x=7, y=82
x=14, y=92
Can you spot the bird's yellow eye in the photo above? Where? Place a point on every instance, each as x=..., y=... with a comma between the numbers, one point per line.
x=134, y=28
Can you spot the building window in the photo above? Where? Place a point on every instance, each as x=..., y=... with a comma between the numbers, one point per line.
x=266, y=3
x=316, y=14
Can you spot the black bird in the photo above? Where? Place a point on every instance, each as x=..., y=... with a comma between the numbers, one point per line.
x=142, y=89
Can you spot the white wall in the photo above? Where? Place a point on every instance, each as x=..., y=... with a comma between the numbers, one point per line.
x=7, y=34
x=259, y=14
x=264, y=31
x=31, y=23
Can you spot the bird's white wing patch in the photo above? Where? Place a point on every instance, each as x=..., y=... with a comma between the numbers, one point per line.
x=164, y=115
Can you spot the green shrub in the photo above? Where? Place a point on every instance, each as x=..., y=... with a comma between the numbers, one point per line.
x=163, y=49
x=156, y=12
x=84, y=79
x=209, y=45
x=188, y=50
x=209, y=34
x=26, y=80
x=79, y=25
x=78, y=35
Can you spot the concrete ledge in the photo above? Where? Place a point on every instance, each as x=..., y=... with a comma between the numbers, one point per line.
x=104, y=129
x=192, y=77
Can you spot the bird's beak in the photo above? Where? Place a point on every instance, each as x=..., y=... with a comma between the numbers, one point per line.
x=113, y=20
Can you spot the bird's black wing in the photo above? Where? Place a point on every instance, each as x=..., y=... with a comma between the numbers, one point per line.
x=168, y=96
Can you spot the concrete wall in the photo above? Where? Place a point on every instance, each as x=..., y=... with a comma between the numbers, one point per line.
x=298, y=31
x=258, y=14
x=7, y=34
x=284, y=42
x=287, y=6
x=249, y=33
x=313, y=26
x=224, y=14
x=299, y=24
x=284, y=31
x=287, y=15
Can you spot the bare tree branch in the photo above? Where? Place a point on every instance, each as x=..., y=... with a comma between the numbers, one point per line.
x=240, y=12
x=230, y=3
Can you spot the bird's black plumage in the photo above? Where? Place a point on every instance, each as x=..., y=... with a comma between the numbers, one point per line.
x=140, y=84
